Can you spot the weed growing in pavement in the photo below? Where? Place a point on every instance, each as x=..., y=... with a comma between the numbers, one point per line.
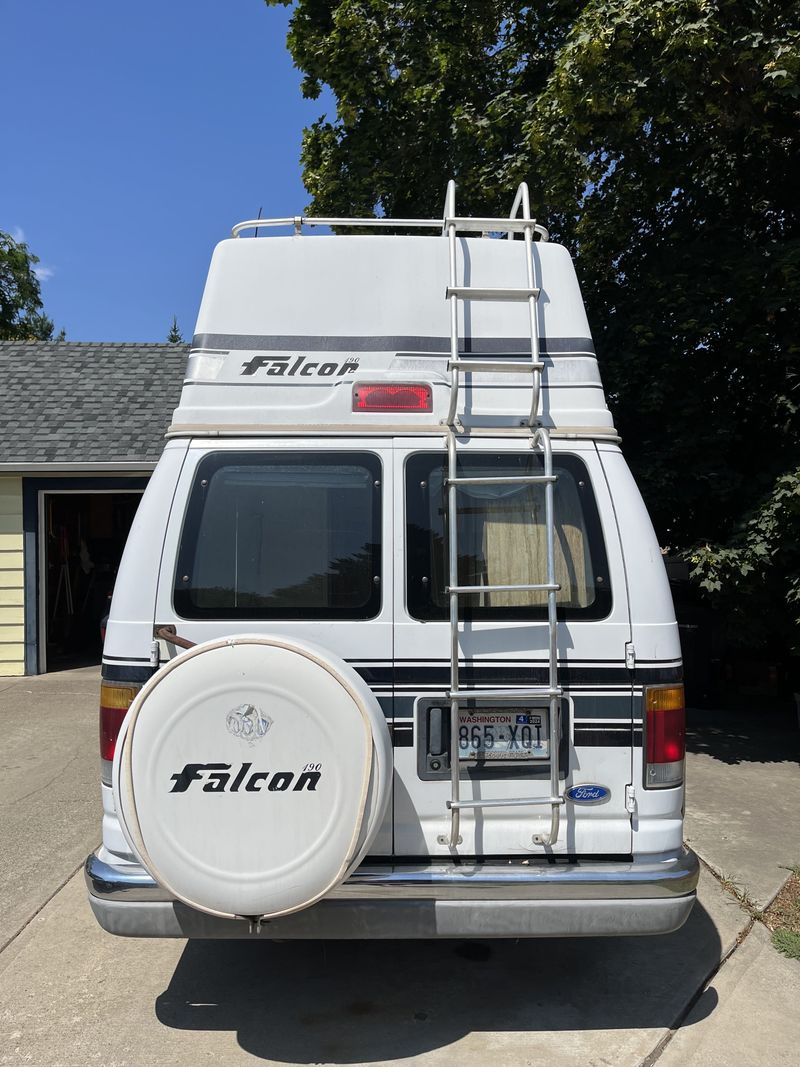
x=736, y=890
x=783, y=916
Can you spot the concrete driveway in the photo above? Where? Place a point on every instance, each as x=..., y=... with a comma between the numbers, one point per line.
x=72, y=995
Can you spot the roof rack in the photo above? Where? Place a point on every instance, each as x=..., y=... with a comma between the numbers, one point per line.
x=508, y=225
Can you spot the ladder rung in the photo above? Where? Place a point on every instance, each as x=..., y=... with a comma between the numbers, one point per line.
x=472, y=292
x=512, y=802
x=475, y=225
x=498, y=366
x=541, y=692
x=516, y=479
x=538, y=587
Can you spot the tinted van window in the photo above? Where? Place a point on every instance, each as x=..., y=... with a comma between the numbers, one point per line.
x=502, y=539
x=270, y=536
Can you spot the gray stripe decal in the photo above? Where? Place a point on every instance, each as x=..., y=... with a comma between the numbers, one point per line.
x=479, y=345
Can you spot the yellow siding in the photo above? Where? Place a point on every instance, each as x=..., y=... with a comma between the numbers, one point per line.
x=12, y=617
x=11, y=494
x=13, y=579
x=9, y=524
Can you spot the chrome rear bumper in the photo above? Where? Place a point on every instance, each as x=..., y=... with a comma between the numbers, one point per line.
x=667, y=876
x=437, y=900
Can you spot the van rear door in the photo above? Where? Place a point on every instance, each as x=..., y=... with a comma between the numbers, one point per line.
x=281, y=537
x=503, y=643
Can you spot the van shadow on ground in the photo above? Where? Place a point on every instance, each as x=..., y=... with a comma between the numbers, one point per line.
x=349, y=1002
x=733, y=737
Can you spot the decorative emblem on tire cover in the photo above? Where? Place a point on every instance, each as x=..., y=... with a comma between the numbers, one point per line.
x=248, y=722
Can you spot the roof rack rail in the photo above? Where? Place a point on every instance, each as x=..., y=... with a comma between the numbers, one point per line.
x=508, y=225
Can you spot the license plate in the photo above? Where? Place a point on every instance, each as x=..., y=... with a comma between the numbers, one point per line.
x=509, y=734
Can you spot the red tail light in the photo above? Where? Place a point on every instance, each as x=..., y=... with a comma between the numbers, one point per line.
x=394, y=397
x=114, y=703
x=665, y=735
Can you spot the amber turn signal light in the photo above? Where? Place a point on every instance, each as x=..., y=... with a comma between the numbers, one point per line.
x=114, y=703
x=665, y=735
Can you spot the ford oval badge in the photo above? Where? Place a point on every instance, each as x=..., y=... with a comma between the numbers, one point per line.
x=588, y=794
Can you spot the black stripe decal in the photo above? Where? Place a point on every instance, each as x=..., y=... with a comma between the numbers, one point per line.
x=241, y=342
x=607, y=737
x=589, y=709
x=126, y=672
x=439, y=677
x=402, y=735
x=423, y=678
x=489, y=661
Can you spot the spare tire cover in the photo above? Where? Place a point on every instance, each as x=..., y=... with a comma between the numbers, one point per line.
x=251, y=775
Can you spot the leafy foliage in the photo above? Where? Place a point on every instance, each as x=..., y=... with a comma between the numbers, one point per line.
x=667, y=135
x=659, y=140
x=21, y=315
x=757, y=574
x=418, y=86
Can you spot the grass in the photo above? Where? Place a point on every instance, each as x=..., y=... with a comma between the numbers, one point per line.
x=741, y=894
x=783, y=916
x=787, y=942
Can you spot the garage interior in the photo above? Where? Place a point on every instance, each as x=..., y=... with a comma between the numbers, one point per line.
x=83, y=535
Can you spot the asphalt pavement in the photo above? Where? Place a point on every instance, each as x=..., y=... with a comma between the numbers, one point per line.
x=71, y=995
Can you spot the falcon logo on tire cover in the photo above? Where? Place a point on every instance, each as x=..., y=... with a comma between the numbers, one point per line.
x=218, y=778
x=248, y=722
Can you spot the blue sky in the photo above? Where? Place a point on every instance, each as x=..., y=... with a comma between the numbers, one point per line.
x=133, y=137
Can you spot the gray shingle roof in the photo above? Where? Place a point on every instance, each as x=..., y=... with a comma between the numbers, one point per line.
x=87, y=402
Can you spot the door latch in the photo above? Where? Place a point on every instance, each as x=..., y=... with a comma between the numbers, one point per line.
x=630, y=655
x=630, y=799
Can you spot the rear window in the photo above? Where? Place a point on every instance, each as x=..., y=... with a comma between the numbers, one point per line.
x=277, y=536
x=502, y=539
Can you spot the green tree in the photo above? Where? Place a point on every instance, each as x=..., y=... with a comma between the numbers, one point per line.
x=755, y=577
x=175, y=337
x=415, y=83
x=659, y=138
x=21, y=314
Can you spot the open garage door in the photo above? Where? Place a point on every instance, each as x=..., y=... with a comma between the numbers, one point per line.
x=81, y=538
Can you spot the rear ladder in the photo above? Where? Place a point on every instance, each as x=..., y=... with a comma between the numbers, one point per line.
x=548, y=695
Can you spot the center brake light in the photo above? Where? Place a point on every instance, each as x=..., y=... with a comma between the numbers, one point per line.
x=665, y=735
x=394, y=396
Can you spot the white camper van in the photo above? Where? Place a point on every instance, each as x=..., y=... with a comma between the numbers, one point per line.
x=392, y=651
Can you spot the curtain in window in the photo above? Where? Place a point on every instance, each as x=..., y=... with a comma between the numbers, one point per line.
x=502, y=541
x=514, y=546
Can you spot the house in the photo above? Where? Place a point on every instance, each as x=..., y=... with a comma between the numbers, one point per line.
x=81, y=427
